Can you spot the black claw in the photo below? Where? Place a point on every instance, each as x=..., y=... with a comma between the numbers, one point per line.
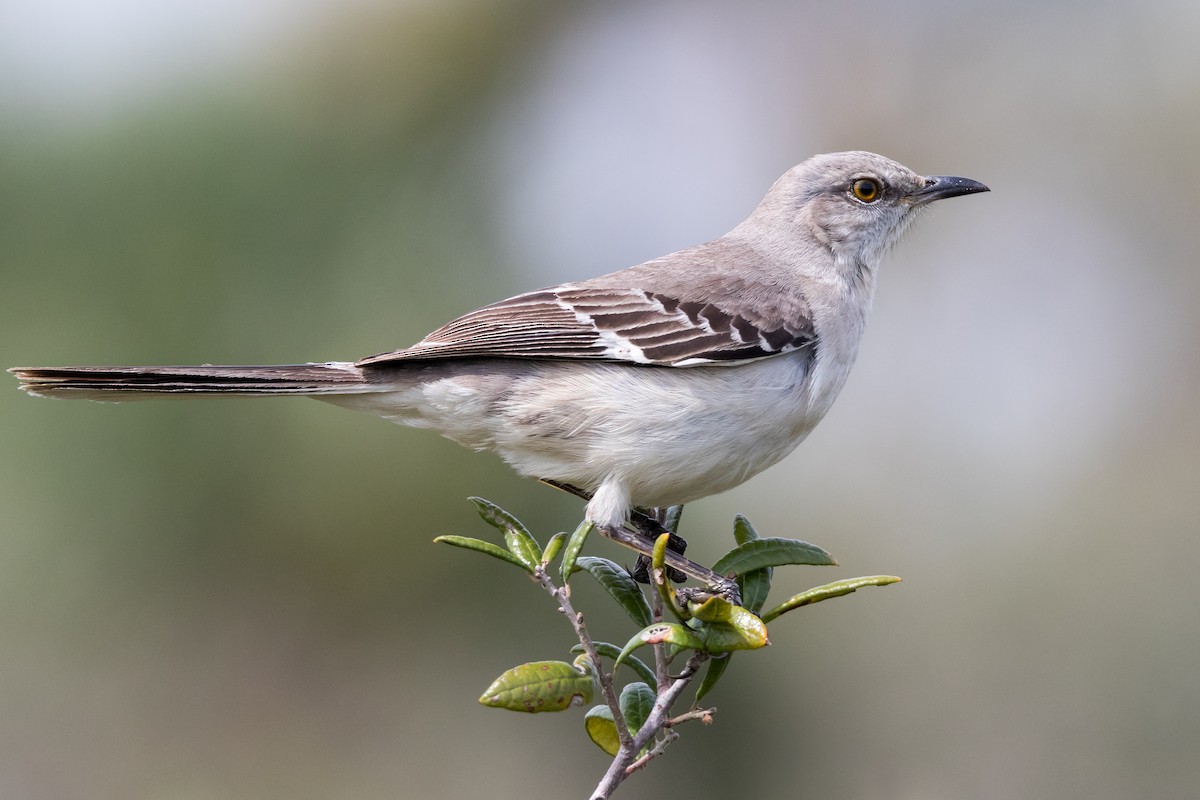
x=651, y=528
x=641, y=571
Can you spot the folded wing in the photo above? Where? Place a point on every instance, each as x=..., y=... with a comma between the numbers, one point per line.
x=608, y=324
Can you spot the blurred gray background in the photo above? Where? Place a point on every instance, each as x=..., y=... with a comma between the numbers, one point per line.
x=240, y=599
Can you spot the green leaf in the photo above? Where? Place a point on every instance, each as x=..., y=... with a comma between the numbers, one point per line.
x=754, y=586
x=541, y=686
x=481, y=546
x=714, y=608
x=661, y=633
x=637, y=699
x=672, y=518
x=722, y=637
x=574, y=546
x=583, y=662
x=835, y=589
x=728, y=627
x=618, y=583
x=660, y=579
x=552, y=547
x=496, y=516
x=518, y=538
x=716, y=668
x=658, y=556
x=771, y=552
x=602, y=730
x=743, y=531
x=633, y=662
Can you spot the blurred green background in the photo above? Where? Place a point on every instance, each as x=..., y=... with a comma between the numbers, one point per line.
x=240, y=599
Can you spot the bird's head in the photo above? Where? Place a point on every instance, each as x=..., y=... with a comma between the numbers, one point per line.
x=858, y=204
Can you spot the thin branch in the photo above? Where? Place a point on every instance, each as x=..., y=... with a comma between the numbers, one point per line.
x=662, y=706
x=627, y=761
x=661, y=657
x=653, y=753
x=563, y=596
x=623, y=765
x=705, y=715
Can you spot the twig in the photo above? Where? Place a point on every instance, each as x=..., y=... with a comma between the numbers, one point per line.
x=627, y=761
x=703, y=714
x=627, y=756
x=653, y=753
x=563, y=595
x=661, y=659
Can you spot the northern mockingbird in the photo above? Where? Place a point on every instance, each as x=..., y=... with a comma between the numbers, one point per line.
x=648, y=387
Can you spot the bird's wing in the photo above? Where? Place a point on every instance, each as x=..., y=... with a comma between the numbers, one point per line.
x=604, y=323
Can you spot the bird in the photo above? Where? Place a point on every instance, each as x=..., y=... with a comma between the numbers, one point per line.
x=648, y=387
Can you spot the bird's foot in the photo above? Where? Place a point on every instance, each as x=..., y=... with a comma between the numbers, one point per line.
x=650, y=526
x=640, y=535
x=678, y=567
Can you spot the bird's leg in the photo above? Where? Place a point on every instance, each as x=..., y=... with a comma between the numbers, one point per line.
x=640, y=536
x=650, y=524
x=679, y=566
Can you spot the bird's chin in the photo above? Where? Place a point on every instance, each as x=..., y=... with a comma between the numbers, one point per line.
x=907, y=221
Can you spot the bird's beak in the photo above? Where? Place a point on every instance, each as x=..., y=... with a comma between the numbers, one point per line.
x=939, y=187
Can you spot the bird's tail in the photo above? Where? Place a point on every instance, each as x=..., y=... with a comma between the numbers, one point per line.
x=136, y=383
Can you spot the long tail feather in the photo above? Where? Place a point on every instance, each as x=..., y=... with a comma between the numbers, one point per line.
x=133, y=383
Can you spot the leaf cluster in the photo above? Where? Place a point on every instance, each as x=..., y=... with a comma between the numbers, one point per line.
x=634, y=725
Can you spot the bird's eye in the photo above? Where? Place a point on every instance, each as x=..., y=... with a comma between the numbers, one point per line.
x=867, y=190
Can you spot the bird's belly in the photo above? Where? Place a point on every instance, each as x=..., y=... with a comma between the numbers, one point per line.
x=660, y=435
x=669, y=435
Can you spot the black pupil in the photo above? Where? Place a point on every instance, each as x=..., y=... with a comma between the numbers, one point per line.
x=865, y=189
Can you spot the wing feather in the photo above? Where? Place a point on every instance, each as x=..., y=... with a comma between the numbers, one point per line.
x=608, y=323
